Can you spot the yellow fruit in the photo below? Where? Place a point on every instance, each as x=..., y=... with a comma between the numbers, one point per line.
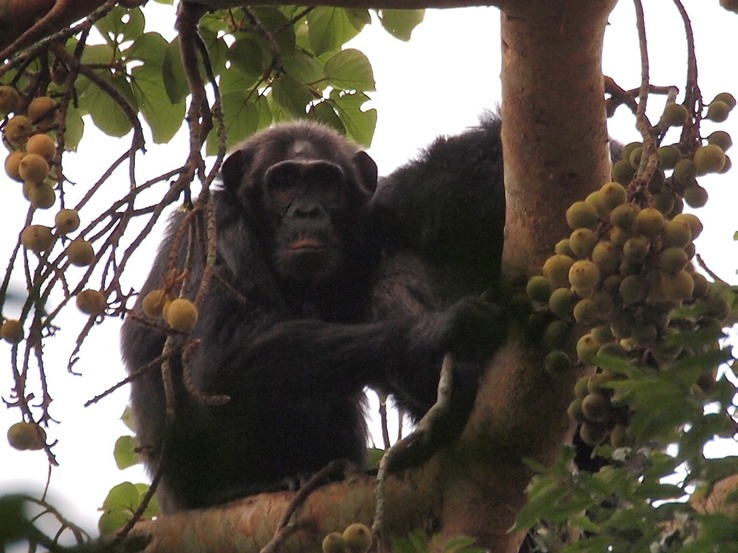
x=632, y=289
x=649, y=222
x=596, y=407
x=91, y=302
x=684, y=172
x=37, y=238
x=17, y=129
x=9, y=99
x=678, y=286
x=556, y=269
x=694, y=223
x=334, y=543
x=587, y=348
x=12, y=162
x=586, y=312
x=33, y=168
x=582, y=241
x=80, y=253
x=636, y=249
x=358, y=537
x=66, y=221
x=581, y=215
x=12, y=331
x=624, y=216
x=613, y=194
x=181, y=315
x=669, y=156
x=584, y=276
x=607, y=257
x=41, y=109
x=592, y=433
x=43, y=145
x=153, y=303
x=25, y=436
x=41, y=195
x=622, y=172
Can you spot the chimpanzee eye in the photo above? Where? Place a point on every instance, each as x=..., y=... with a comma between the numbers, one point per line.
x=282, y=183
x=328, y=182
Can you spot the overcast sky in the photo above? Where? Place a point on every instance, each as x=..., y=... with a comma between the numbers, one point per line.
x=439, y=83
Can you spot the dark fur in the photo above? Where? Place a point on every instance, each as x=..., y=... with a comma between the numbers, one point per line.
x=294, y=356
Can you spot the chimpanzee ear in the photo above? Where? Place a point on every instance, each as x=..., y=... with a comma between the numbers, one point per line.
x=367, y=170
x=234, y=168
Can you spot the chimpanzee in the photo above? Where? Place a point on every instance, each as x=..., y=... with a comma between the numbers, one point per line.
x=283, y=329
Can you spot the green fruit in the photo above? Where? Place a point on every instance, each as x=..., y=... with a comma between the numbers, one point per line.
x=539, y=288
x=556, y=335
x=12, y=331
x=17, y=129
x=562, y=248
x=622, y=172
x=635, y=158
x=618, y=436
x=727, y=166
x=657, y=182
x=701, y=286
x=695, y=196
x=709, y=159
x=12, y=164
x=726, y=97
x=580, y=388
x=596, y=407
x=685, y=172
x=66, y=221
x=358, y=537
x=635, y=250
x=37, y=238
x=587, y=348
x=25, y=436
x=721, y=139
x=91, y=302
x=718, y=111
x=649, y=222
x=181, y=315
x=582, y=241
x=607, y=257
x=9, y=99
x=80, y=253
x=624, y=216
x=677, y=287
x=664, y=200
x=581, y=215
x=676, y=233
x=672, y=260
x=613, y=194
x=334, y=543
x=586, y=312
x=584, y=276
x=669, y=156
x=633, y=289
x=675, y=115
x=574, y=411
x=556, y=269
x=592, y=434
x=557, y=363
x=561, y=303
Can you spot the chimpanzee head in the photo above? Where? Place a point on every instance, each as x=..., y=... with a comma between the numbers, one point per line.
x=301, y=188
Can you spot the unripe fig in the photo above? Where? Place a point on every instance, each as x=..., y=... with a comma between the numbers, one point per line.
x=80, y=253
x=181, y=315
x=587, y=348
x=596, y=407
x=624, y=216
x=726, y=97
x=561, y=303
x=358, y=537
x=581, y=215
x=592, y=434
x=649, y=222
x=25, y=436
x=678, y=286
x=622, y=172
x=37, y=238
x=43, y=145
x=12, y=331
x=718, y=111
x=539, y=288
x=694, y=223
x=556, y=269
x=334, y=543
x=607, y=257
x=709, y=159
x=695, y=196
x=9, y=99
x=66, y=221
x=91, y=302
x=721, y=139
x=584, y=276
x=675, y=115
x=668, y=156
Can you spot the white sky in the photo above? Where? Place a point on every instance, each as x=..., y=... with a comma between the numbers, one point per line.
x=439, y=83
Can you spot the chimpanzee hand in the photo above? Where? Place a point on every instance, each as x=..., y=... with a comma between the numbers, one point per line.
x=474, y=329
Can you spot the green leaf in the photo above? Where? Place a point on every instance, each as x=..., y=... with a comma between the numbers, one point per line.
x=172, y=70
x=217, y=50
x=291, y=96
x=329, y=29
x=401, y=23
x=98, y=54
x=125, y=452
x=304, y=68
x=121, y=24
x=277, y=24
x=163, y=117
x=110, y=521
x=149, y=48
x=359, y=124
x=74, y=129
x=350, y=70
x=107, y=115
x=359, y=18
x=324, y=113
x=246, y=56
x=243, y=117
x=122, y=496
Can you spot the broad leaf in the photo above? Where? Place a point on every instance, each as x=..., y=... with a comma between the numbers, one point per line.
x=401, y=23
x=350, y=70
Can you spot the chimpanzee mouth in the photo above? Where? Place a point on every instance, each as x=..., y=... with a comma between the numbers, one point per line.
x=302, y=244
